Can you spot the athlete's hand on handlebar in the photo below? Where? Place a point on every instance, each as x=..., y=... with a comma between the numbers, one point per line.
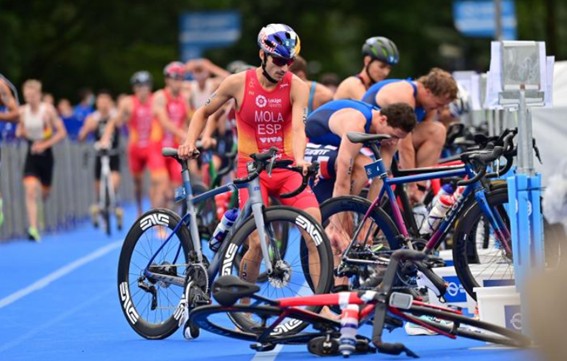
x=303, y=164
x=187, y=150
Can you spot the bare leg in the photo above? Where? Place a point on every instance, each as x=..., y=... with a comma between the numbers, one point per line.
x=31, y=187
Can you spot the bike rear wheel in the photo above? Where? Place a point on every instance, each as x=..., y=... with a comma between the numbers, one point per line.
x=213, y=319
x=294, y=271
x=151, y=304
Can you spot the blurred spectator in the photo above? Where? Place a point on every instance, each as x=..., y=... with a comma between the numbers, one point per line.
x=206, y=78
x=85, y=106
x=330, y=80
x=48, y=98
x=70, y=121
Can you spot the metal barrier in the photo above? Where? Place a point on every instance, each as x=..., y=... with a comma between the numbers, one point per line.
x=72, y=192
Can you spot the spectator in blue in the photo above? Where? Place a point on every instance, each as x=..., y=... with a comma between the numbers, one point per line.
x=82, y=110
x=65, y=111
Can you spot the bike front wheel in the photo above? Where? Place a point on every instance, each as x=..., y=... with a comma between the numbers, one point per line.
x=300, y=255
x=151, y=273
x=459, y=325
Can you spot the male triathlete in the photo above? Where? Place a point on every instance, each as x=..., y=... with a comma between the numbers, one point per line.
x=96, y=123
x=342, y=163
x=42, y=128
x=144, y=139
x=171, y=110
x=271, y=106
x=426, y=95
x=379, y=55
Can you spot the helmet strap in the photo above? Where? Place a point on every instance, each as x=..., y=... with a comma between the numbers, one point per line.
x=372, y=81
x=264, y=72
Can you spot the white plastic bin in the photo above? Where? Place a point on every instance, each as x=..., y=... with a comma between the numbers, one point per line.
x=456, y=294
x=500, y=305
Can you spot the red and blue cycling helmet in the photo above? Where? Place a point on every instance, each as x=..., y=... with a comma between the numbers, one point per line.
x=279, y=40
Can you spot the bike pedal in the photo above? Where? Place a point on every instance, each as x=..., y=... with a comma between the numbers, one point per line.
x=262, y=347
x=323, y=346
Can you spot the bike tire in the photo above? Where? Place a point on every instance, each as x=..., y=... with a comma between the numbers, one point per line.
x=359, y=206
x=106, y=211
x=496, y=334
x=289, y=278
x=491, y=263
x=209, y=318
x=143, y=242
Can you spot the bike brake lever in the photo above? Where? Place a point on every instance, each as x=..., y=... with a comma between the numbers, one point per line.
x=270, y=166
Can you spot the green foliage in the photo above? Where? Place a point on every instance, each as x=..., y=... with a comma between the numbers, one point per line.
x=69, y=44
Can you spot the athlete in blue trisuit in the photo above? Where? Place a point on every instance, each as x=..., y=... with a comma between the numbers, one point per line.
x=426, y=96
x=341, y=161
x=8, y=113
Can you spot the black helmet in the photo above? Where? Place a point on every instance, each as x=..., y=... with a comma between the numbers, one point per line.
x=141, y=78
x=381, y=48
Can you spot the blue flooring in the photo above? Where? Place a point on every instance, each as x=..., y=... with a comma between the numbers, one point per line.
x=77, y=315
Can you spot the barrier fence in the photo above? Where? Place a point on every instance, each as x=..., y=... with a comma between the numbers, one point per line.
x=72, y=189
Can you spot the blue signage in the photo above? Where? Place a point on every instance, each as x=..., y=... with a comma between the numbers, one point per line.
x=477, y=18
x=202, y=30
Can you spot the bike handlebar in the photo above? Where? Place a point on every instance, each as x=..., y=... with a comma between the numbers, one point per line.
x=267, y=162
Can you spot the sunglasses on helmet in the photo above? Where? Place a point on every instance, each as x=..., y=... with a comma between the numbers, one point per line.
x=282, y=61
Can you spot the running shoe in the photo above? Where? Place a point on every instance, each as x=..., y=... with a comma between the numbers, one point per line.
x=33, y=234
x=119, y=213
x=94, y=211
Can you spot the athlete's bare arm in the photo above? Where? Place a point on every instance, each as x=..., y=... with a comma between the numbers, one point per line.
x=350, y=88
x=159, y=108
x=230, y=88
x=7, y=98
x=88, y=127
x=122, y=116
x=299, y=94
x=396, y=92
x=322, y=95
x=342, y=122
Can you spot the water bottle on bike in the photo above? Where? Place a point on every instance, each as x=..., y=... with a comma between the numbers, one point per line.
x=222, y=229
x=436, y=214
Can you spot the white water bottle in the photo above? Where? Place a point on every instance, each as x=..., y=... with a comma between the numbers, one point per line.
x=222, y=229
x=349, y=329
x=436, y=214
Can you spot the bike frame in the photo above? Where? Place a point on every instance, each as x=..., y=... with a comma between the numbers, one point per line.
x=439, y=234
x=254, y=206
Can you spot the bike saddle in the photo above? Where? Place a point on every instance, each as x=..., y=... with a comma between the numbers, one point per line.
x=357, y=137
x=229, y=289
